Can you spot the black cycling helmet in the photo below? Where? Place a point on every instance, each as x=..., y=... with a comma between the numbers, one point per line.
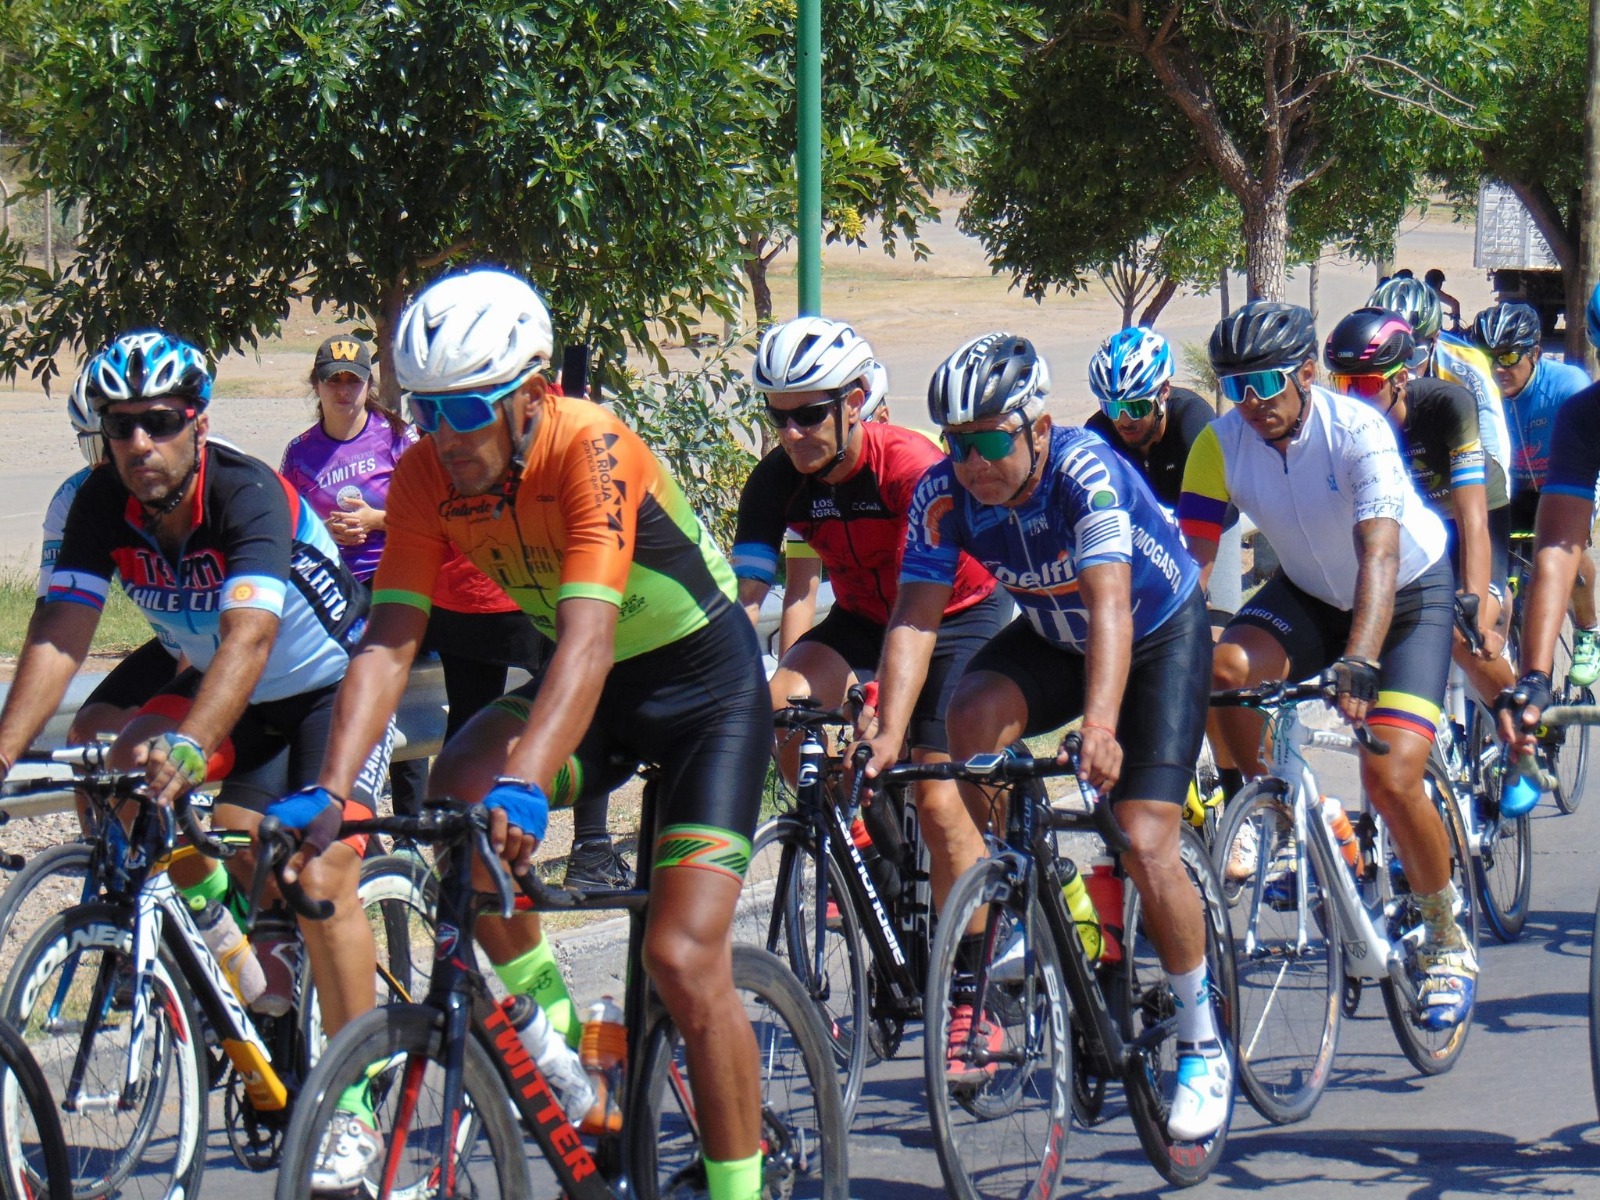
x=1506, y=327
x=1417, y=302
x=990, y=375
x=1264, y=335
x=1371, y=341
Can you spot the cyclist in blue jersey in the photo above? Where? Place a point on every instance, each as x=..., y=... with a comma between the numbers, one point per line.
x=1535, y=388
x=1113, y=629
x=236, y=573
x=1561, y=538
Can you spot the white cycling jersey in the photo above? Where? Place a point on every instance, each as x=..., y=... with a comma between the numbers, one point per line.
x=1458, y=361
x=55, y=523
x=1342, y=468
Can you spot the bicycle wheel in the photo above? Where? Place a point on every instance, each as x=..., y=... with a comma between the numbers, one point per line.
x=1569, y=745
x=69, y=999
x=1150, y=1013
x=1431, y=1051
x=1289, y=960
x=1003, y=1134
x=35, y=1162
x=398, y=1050
x=48, y=883
x=803, y=1134
x=784, y=856
x=1504, y=862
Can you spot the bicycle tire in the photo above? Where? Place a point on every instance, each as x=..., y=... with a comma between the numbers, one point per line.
x=1432, y=1052
x=23, y=909
x=1571, y=743
x=43, y=1158
x=175, y=1048
x=1007, y=1135
x=1504, y=862
x=1594, y=1006
x=397, y=1036
x=844, y=957
x=804, y=1137
x=1290, y=1001
x=1149, y=1004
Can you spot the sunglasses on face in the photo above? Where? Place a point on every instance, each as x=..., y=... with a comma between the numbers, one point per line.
x=465, y=412
x=1134, y=410
x=992, y=445
x=157, y=422
x=1510, y=358
x=807, y=416
x=1365, y=387
x=1265, y=384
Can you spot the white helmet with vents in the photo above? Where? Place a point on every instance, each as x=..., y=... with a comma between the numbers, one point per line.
x=811, y=354
x=477, y=330
x=85, y=422
x=990, y=375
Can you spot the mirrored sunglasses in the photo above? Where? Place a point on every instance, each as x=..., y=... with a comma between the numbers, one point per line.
x=1134, y=410
x=1510, y=358
x=992, y=444
x=1364, y=387
x=157, y=422
x=466, y=412
x=1265, y=384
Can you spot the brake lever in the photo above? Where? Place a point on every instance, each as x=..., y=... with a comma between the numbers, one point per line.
x=275, y=845
x=497, y=869
x=1105, y=820
x=197, y=835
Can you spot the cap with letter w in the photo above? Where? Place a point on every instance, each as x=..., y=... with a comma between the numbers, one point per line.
x=341, y=355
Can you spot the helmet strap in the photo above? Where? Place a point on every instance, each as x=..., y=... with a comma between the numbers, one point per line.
x=519, y=457
x=1033, y=465
x=838, y=435
x=1300, y=420
x=154, y=512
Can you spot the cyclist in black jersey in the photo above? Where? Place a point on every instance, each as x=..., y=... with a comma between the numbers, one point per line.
x=1372, y=355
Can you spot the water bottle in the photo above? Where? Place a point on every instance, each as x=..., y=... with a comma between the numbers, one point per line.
x=1105, y=889
x=1082, y=908
x=562, y=1067
x=231, y=949
x=1339, y=822
x=604, y=1052
x=885, y=875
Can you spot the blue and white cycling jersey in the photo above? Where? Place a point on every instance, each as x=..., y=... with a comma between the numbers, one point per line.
x=1575, y=453
x=254, y=543
x=1090, y=508
x=1531, y=416
x=55, y=525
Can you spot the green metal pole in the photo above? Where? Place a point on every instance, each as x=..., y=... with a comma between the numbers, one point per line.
x=808, y=156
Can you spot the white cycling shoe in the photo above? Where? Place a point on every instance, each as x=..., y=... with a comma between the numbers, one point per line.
x=349, y=1147
x=1205, y=1092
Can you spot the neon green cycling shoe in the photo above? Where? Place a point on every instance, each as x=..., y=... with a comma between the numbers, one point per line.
x=1585, y=667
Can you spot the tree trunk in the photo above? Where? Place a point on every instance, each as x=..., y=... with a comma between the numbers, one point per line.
x=1266, y=245
x=1222, y=287
x=1167, y=290
x=1311, y=290
x=391, y=303
x=755, y=270
x=1576, y=343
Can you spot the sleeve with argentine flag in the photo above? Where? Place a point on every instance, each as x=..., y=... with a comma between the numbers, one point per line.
x=1203, y=503
x=415, y=544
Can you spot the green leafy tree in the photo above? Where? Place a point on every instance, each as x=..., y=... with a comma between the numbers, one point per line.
x=1305, y=114
x=906, y=86
x=236, y=154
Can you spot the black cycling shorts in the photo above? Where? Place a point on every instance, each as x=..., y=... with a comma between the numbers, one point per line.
x=278, y=745
x=859, y=641
x=1499, y=547
x=697, y=708
x=1163, y=716
x=136, y=678
x=1415, y=658
x=506, y=639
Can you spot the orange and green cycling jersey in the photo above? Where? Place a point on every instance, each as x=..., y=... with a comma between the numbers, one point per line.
x=594, y=516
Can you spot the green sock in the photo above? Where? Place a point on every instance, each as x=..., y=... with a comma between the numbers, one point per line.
x=213, y=887
x=537, y=974
x=357, y=1101
x=740, y=1180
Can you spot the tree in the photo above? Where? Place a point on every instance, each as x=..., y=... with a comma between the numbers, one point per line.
x=1304, y=111
x=236, y=154
x=906, y=86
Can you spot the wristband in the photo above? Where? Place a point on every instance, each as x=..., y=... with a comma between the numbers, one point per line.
x=187, y=756
x=1106, y=729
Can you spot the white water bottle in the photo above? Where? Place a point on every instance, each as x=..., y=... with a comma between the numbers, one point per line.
x=231, y=948
x=560, y=1062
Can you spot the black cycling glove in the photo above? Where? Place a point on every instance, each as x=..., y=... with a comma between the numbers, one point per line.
x=1355, y=677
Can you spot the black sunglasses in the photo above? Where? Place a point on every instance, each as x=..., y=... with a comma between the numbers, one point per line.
x=807, y=416
x=157, y=422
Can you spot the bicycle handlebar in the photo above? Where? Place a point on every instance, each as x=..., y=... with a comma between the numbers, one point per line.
x=1464, y=612
x=1281, y=694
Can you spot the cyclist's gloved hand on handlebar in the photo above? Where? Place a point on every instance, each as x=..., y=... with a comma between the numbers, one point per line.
x=1099, y=756
x=174, y=764
x=1517, y=710
x=1355, y=684
x=519, y=814
x=315, y=814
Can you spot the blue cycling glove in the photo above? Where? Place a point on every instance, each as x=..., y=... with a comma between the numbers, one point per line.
x=314, y=812
x=525, y=804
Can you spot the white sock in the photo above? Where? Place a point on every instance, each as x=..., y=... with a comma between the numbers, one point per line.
x=1192, y=993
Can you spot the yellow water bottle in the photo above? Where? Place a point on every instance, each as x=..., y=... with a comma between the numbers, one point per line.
x=1076, y=896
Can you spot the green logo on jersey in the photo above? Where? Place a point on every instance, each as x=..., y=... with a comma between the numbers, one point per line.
x=1103, y=500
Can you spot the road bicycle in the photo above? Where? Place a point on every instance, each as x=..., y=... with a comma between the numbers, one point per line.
x=34, y=1165
x=856, y=934
x=1308, y=926
x=451, y=1082
x=1068, y=1022
x=119, y=999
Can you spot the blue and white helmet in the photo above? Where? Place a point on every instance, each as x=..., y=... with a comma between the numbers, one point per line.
x=146, y=365
x=85, y=421
x=1131, y=364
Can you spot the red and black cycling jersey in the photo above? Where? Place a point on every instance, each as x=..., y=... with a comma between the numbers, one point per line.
x=856, y=526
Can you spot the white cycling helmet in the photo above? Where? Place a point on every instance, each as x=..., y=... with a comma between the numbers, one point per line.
x=476, y=330
x=811, y=354
x=990, y=375
x=877, y=381
x=85, y=422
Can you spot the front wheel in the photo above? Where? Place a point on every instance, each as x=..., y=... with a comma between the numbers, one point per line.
x=1001, y=1098
x=1503, y=865
x=1150, y=1012
x=803, y=1134
x=1289, y=957
x=47, y=883
x=1569, y=744
x=35, y=1151
x=398, y=1052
